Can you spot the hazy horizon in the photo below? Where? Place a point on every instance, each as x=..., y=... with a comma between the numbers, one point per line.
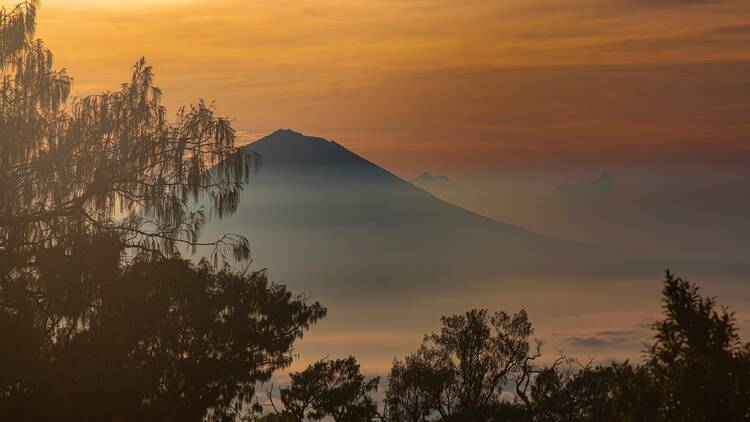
x=375, y=210
x=342, y=231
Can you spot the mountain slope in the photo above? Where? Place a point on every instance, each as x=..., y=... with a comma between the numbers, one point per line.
x=388, y=259
x=323, y=218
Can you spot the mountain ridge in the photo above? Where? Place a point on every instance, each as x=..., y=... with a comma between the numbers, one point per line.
x=320, y=215
x=429, y=178
x=307, y=152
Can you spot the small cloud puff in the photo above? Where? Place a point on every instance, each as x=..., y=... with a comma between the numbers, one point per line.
x=607, y=339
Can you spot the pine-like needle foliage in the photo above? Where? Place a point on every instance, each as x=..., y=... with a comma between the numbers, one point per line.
x=108, y=162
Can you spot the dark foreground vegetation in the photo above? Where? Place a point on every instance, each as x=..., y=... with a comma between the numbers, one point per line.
x=481, y=367
x=102, y=320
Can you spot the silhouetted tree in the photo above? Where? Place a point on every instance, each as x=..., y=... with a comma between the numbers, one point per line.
x=459, y=373
x=100, y=318
x=696, y=370
x=108, y=162
x=305, y=387
x=330, y=388
x=415, y=388
x=163, y=340
x=617, y=392
x=697, y=360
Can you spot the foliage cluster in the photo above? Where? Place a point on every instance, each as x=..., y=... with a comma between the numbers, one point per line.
x=480, y=367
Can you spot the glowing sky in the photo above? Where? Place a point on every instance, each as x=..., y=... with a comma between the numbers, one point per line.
x=454, y=87
x=441, y=85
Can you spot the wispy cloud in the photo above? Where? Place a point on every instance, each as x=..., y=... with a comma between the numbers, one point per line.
x=627, y=338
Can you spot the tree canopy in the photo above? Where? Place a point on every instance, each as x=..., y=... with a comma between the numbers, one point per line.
x=161, y=340
x=107, y=162
x=460, y=373
x=329, y=388
x=101, y=318
x=697, y=369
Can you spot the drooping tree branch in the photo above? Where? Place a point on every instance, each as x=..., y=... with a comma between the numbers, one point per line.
x=109, y=161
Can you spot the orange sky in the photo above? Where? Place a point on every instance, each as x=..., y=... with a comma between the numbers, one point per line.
x=440, y=85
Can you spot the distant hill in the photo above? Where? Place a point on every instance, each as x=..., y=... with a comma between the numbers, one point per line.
x=388, y=258
x=427, y=178
x=602, y=185
x=324, y=218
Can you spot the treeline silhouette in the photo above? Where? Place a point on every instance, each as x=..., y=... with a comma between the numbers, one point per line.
x=102, y=319
x=481, y=367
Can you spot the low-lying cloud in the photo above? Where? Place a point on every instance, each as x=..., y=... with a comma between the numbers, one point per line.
x=606, y=339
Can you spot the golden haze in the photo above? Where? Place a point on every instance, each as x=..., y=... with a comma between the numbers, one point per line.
x=436, y=84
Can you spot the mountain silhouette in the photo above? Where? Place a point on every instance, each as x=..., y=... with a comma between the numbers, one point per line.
x=286, y=147
x=427, y=178
x=321, y=217
x=602, y=185
x=322, y=182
